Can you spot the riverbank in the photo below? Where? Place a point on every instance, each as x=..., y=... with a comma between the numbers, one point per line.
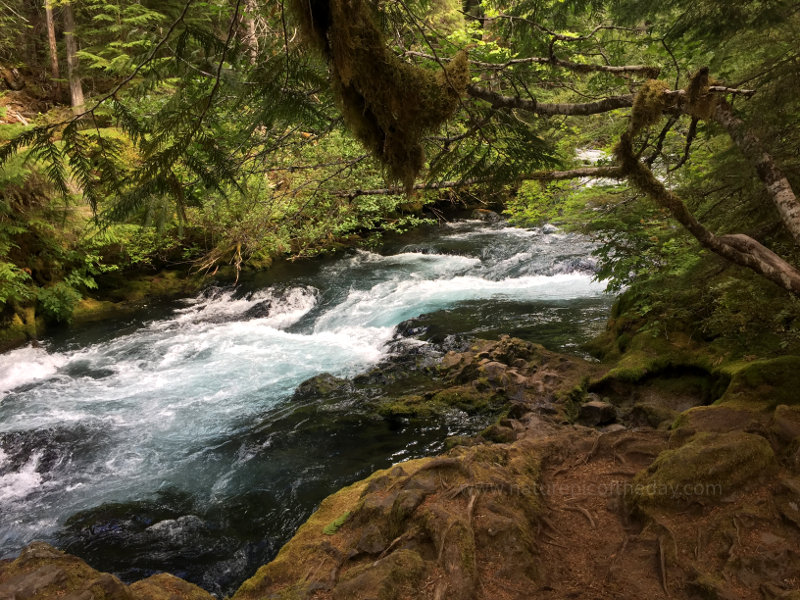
x=182, y=440
x=593, y=484
x=121, y=292
x=558, y=469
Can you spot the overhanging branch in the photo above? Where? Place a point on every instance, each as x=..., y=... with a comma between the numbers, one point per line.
x=644, y=70
x=581, y=172
x=549, y=109
x=738, y=248
x=582, y=109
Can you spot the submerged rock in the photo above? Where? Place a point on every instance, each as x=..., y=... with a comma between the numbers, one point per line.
x=488, y=216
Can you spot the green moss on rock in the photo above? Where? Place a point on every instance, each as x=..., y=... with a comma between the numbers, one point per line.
x=464, y=397
x=390, y=578
x=164, y=586
x=43, y=573
x=334, y=525
x=706, y=469
x=765, y=383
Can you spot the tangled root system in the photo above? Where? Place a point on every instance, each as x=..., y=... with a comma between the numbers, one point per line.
x=387, y=103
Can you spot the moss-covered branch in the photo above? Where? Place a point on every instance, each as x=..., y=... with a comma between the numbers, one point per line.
x=593, y=172
x=738, y=248
x=644, y=70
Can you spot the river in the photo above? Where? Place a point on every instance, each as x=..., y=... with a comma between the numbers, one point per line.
x=175, y=440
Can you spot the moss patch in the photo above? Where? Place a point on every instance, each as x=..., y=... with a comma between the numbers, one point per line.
x=334, y=525
x=765, y=383
x=42, y=573
x=387, y=579
x=706, y=469
x=463, y=397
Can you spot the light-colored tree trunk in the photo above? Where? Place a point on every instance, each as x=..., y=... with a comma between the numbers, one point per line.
x=738, y=248
x=51, y=39
x=75, y=87
x=251, y=34
x=778, y=186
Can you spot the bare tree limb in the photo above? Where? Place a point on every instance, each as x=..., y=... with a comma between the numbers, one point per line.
x=660, y=141
x=688, y=147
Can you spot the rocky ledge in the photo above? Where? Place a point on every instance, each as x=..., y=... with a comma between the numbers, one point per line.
x=670, y=480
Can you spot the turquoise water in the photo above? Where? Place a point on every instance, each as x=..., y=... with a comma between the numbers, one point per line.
x=176, y=443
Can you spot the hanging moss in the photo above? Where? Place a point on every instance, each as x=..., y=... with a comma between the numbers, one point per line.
x=649, y=105
x=701, y=103
x=387, y=103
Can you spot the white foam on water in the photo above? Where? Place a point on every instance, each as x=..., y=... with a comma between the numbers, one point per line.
x=27, y=365
x=392, y=302
x=17, y=485
x=285, y=308
x=157, y=401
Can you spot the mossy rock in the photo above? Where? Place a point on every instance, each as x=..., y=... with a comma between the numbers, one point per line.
x=651, y=415
x=320, y=385
x=786, y=423
x=765, y=383
x=393, y=577
x=410, y=522
x=464, y=397
x=704, y=470
x=410, y=406
x=164, y=586
x=90, y=310
x=287, y=575
x=459, y=440
x=42, y=573
x=721, y=419
x=648, y=355
x=16, y=332
x=162, y=285
x=499, y=434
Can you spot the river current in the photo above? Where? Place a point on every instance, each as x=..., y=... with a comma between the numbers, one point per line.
x=175, y=441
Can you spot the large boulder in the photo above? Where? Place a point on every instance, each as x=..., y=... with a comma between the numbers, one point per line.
x=41, y=572
x=708, y=468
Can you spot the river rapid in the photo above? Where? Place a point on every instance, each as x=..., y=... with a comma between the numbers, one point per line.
x=176, y=441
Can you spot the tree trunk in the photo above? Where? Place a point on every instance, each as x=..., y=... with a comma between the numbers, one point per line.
x=51, y=39
x=737, y=248
x=250, y=34
x=773, y=178
x=75, y=87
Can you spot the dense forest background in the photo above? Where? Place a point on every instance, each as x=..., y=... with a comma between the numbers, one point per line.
x=142, y=136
